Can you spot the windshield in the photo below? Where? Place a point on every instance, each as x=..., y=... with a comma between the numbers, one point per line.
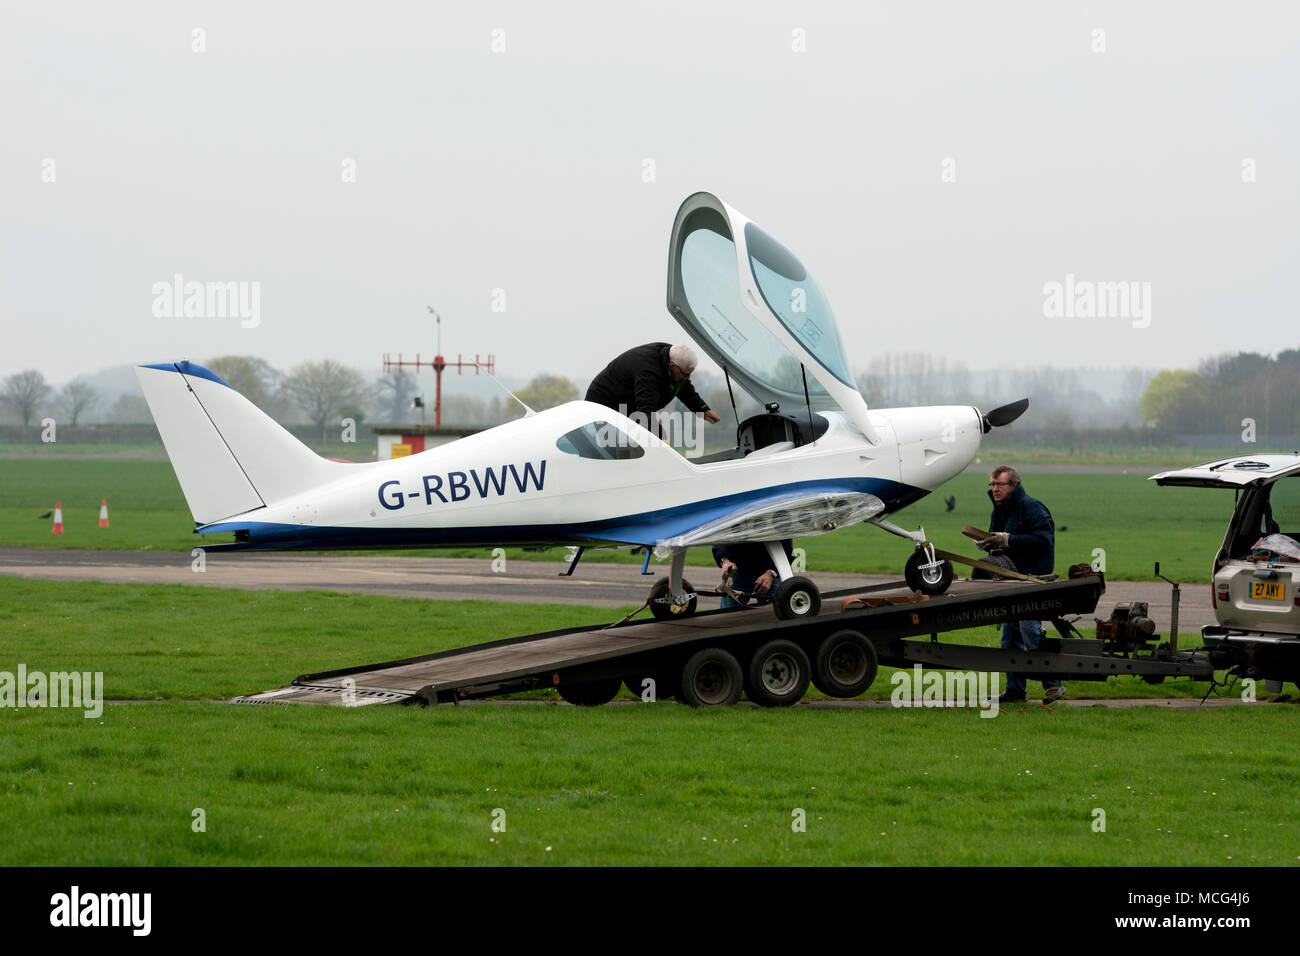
x=796, y=300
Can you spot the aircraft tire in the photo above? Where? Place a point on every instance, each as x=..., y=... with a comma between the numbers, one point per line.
x=934, y=580
x=711, y=678
x=663, y=611
x=846, y=665
x=796, y=598
x=778, y=674
x=591, y=693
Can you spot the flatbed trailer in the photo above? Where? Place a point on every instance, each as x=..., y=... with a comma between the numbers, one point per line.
x=708, y=658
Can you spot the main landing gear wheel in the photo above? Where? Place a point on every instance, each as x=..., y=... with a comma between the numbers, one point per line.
x=927, y=577
x=711, y=678
x=591, y=693
x=796, y=598
x=846, y=665
x=661, y=602
x=778, y=674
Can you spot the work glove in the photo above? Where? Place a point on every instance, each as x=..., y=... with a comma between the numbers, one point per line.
x=998, y=541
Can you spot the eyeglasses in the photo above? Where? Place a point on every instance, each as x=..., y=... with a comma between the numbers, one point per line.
x=996, y=484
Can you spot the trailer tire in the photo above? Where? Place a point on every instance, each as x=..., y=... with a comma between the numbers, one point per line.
x=846, y=665
x=664, y=611
x=711, y=678
x=927, y=580
x=778, y=674
x=796, y=598
x=591, y=693
x=665, y=686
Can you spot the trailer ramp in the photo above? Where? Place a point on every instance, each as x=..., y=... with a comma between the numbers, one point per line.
x=538, y=660
x=432, y=677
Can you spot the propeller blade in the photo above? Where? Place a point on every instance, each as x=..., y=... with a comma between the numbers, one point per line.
x=1005, y=415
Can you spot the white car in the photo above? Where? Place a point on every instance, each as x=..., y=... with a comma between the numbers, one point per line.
x=1256, y=575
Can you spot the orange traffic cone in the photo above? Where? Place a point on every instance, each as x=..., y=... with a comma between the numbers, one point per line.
x=58, y=517
x=103, y=512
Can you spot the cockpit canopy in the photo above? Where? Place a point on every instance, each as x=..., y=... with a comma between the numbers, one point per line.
x=754, y=309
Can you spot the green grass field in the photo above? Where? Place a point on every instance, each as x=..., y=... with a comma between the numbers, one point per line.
x=1134, y=522
x=647, y=785
x=623, y=784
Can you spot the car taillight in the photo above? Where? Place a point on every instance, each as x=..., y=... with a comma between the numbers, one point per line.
x=1217, y=593
x=1221, y=592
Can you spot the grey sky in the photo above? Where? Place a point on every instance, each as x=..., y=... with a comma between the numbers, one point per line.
x=522, y=170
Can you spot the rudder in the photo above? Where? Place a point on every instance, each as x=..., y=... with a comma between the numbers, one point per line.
x=229, y=456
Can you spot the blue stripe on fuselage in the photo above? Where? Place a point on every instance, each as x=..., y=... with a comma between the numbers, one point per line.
x=646, y=528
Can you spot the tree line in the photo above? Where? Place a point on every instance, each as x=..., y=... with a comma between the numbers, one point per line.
x=322, y=393
x=1215, y=398
x=1227, y=394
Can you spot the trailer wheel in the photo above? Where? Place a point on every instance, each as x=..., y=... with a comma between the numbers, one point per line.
x=796, y=598
x=661, y=605
x=591, y=693
x=778, y=674
x=711, y=678
x=846, y=665
x=665, y=686
x=927, y=578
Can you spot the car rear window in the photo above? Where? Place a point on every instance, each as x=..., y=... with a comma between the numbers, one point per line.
x=1274, y=510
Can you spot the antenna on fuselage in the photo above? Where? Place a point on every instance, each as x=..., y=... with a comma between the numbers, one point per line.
x=529, y=413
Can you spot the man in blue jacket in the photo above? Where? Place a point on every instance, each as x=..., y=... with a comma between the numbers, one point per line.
x=1022, y=529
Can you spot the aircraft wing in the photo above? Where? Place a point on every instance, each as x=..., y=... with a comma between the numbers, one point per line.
x=788, y=516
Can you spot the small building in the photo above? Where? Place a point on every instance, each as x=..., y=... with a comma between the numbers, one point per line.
x=398, y=441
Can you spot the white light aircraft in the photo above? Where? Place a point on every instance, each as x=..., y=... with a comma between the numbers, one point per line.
x=581, y=474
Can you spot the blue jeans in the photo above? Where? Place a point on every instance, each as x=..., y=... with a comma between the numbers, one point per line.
x=1022, y=636
x=743, y=582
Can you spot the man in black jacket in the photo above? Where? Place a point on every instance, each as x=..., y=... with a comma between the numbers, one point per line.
x=645, y=379
x=1022, y=530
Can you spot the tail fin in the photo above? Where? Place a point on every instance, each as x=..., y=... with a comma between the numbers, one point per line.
x=230, y=457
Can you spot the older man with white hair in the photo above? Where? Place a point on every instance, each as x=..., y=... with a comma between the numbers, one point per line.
x=648, y=377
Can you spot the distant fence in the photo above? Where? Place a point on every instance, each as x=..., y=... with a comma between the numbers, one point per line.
x=83, y=434
x=1233, y=440
x=148, y=435
x=1092, y=439
x=1131, y=439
